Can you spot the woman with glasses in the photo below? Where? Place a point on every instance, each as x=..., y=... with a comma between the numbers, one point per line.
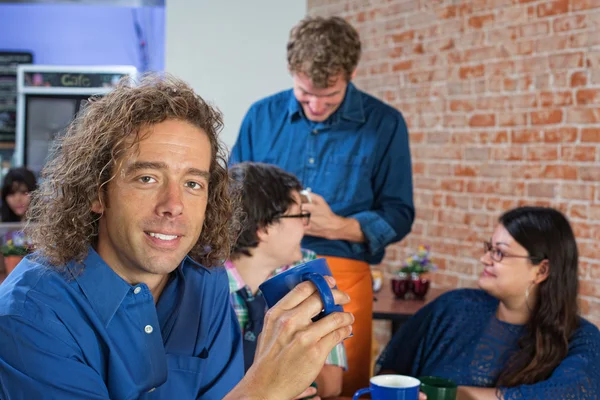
x=271, y=224
x=520, y=336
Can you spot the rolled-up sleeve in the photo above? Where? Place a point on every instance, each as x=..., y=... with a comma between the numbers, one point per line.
x=393, y=212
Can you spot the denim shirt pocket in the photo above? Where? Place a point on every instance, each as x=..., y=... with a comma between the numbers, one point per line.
x=184, y=380
x=347, y=180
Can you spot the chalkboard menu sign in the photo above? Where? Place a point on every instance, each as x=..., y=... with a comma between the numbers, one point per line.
x=8, y=92
x=72, y=80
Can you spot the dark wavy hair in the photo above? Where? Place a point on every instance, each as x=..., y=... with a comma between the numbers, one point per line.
x=321, y=48
x=262, y=192
x=86, y=158
x=546, y=235
x=14, y=180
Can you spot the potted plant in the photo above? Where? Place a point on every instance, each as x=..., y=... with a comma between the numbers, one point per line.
x=15, y=247
x=410, y=279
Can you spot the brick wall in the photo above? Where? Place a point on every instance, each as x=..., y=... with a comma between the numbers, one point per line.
x=502, y=98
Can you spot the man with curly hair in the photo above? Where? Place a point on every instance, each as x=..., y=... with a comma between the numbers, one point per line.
x=351, y=151
x=124, y=298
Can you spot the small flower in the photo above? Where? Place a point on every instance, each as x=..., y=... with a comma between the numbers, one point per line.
x=418, y=263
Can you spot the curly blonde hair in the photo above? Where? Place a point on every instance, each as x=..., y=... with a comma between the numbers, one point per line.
x=321, y=48
x=86, y=158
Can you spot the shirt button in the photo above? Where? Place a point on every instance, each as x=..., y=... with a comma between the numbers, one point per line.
x=315, y=131
x=311, y=160
x=148, y=329
x=137, y=290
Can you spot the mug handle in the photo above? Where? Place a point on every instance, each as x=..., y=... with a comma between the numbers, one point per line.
x=324, y=290
x=361, y=392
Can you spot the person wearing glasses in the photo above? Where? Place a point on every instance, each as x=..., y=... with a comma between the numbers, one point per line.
x=352, y=151
x=519, y=336
x=271, y=224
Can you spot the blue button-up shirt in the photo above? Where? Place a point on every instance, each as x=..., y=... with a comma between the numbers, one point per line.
x=85, y=333
x=358, y=160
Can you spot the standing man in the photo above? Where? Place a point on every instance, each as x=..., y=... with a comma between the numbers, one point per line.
x=124, y=298
x=351, y=150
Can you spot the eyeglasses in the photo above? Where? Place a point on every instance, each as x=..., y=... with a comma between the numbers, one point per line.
x=304, y=215
x=497, y=255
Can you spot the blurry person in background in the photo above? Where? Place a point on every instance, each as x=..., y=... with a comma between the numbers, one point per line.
x=16, y=189
x=352, y=152
x=272, y=222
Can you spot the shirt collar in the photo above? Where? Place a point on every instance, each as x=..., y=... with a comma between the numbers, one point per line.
x=351, y=108
x=236, y=282
x=104, y=289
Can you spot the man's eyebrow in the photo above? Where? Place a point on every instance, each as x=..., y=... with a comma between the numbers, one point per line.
x=158, y=165
x=199, y=172
x=321, y=95
x=138, y=165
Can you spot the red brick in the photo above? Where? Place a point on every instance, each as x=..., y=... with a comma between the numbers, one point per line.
x=464, y=170
x=457, y=201
x=541, y=190
x=471, y=72
x=476, y=153
x=416, y=137
x=452, y=185
x=578, y=79
x=578, y=211
x=578, y=153
x=549, y=8
x=583, y=115
x=507, y=153
x=534, y=29
x=590, y=288
x=576, y=191
x=570, y=23
x=584, y=39
x=548, y=99
x=560, y=135
x=579, y=5
x=402, y=66
x=590, y=135
x=565, y=61
x=542, y=153
x=546, y=117
x=481, y=21
x=589, y=173
x=461, y=105
x=526, y=136
x=480, y=120
x=560, y=172
x=512, y=119
x=588, y=96
x=551, y=43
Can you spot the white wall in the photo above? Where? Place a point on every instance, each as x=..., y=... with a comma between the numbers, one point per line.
x=232, y=52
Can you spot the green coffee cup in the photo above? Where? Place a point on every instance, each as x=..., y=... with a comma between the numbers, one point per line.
x=438, y=388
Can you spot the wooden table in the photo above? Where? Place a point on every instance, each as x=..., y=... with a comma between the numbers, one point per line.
x=387, y=307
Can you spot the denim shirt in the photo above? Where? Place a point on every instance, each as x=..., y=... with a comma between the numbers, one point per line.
x=84, y=333
x=358, y=160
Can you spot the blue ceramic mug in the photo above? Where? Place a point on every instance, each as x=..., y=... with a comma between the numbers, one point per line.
x=277, y=287
x=391, y=387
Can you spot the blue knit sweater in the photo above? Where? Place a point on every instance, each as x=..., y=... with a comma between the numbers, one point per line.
x=458, y=336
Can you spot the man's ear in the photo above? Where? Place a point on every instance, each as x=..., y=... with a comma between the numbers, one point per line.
x=353, y=74
x=98, y=204
x=543, y=270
